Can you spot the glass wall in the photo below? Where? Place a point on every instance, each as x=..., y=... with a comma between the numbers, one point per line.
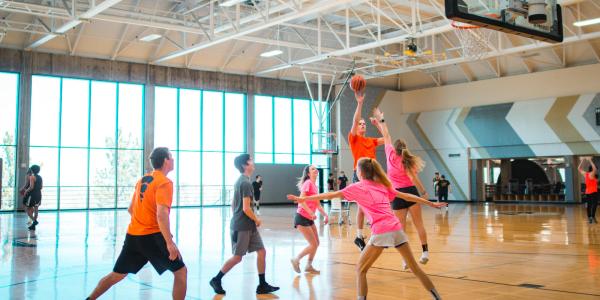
x=205, y=130
x=283, y=130
x=87, y=137
x=9, y=93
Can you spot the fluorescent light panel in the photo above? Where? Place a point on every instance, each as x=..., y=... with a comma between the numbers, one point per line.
x=587, y=22
x=229, y=3
x=271, y=53
x=150, y=37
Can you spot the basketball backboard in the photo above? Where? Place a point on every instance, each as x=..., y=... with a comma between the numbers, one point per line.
x=536, y=19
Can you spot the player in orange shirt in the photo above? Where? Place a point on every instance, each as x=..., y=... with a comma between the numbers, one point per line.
x=361, y=146
x=149, y=237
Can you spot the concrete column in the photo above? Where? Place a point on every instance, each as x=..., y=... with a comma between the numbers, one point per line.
x=24, y=123
x=506, y=173
x=148, y=124
x=250, y=116
x=572, y=180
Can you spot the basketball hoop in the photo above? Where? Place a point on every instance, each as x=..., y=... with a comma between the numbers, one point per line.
x=474, y=39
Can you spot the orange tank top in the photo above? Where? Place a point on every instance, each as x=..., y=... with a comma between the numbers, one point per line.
x=591, y=184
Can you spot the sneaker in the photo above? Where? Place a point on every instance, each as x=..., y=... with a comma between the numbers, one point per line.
x=424, y=257
x=360, y=243
x=311, y=269
x=35, y=223
x=258, y=212
x=295, y=265
x=590, y=220
x=216, y=285
x=32, y=227
x=266, y=289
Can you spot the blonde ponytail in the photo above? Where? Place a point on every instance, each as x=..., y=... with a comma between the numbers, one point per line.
x=370, y=169
x=410, y=162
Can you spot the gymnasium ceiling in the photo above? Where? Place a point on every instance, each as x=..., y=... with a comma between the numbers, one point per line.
x=315, y=37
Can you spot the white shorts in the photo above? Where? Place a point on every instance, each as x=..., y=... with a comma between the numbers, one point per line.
x=389, y=239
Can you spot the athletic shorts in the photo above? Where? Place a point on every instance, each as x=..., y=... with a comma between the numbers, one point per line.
x=245, y=241
x=32, y=200
x=300, y=220
x=140, y=249
x=400, y=203
x=389, y=239
x=256, y=197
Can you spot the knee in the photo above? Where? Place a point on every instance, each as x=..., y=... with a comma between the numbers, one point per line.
x=236, y=259
x=115, y=277
x=361, y=270
x=261, y=253
x=181, y=274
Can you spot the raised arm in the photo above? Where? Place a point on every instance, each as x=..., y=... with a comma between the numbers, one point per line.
x=413, y=198
x=593, y=165
x=317, y=197
x=382, y=127
x=580, y=168
x=360, y=98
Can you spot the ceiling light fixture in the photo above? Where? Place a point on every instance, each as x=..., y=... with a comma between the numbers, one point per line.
x=587, y=22
x=230, y=3
x=150, y=37
x=271, y=53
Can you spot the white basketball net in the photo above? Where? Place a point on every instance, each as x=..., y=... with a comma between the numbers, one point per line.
x=474, y=40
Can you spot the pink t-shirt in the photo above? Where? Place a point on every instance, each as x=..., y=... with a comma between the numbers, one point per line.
x=374, y=199
x=309, y=189
x=395, y=169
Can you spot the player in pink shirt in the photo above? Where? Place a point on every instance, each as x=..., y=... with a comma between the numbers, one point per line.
x=373, y=194
x=402, y=169
x=305, y=216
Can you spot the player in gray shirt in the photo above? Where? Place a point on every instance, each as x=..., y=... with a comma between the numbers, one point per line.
x=245, y=237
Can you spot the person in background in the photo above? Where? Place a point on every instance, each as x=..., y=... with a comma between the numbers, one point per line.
x=257, y=186
x=591, y=188
x=342, y=180
x=443, y=188
x=331, y=183
x=435, y=180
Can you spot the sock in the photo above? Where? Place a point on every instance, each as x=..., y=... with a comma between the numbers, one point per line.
x=309, y=263
x=425, y=247
x=359, y=233
x=362, y=298
x=261, y=279
x=220, y=275
x=435, y=294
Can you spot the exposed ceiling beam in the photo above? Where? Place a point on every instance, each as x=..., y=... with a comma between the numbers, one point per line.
x=90, y=13
x=313, y=9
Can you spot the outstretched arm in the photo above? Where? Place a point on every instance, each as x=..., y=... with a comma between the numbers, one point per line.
x=382, y=127
x=330, y=195
x=360, y=98
x=413, y=198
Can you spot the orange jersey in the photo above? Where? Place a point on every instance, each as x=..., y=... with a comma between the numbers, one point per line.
x=150, y=191
x=591, y=184
x=361, y=147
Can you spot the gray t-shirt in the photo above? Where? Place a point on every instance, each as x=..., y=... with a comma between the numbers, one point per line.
x=242, y=188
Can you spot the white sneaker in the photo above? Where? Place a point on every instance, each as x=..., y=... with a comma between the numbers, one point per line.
x=258, y=212
x=310, y=269
x=424, y=257
x=404, y=266
x=295, y=265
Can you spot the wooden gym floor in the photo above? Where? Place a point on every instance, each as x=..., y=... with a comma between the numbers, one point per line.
x=477, y=252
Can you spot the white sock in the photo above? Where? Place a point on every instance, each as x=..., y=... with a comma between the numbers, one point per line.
x=362, y=298
x=309, y=263
x=359, y=233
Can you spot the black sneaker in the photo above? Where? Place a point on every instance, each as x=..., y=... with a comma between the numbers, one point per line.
x=32, y=227
x=266, y=288
x=360, y=243
x=590, y=220
x=35, y=223
x=216, y=285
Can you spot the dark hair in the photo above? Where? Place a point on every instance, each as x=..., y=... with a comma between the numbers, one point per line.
x=443, y=176
x=241, y=161
x=330, y=174
x=258, y=176
x=437, y=173
x=158, y=157
x=35, y=169
x=305, y=176
x=590, y=169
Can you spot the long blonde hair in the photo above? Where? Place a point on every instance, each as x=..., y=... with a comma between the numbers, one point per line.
x=305, y=177
x=410, y=161
x=370, y=169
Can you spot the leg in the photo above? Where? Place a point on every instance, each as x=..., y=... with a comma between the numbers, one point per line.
x=360, y=219
x=180, y=284
x=315, y=235
x=417, y=218
x=30, y=212
x=401, y=215
x=366, y=260
x=260, y=260
x=312, y=244
x=404, y=249
x=36, y=210
x=230, y=263
x=359, y=241
x=105, y=283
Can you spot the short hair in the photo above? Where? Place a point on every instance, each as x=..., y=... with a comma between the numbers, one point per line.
x=437, y=173
x=35, y=169
x=241, y=161
x=443, y=176
x=258, y=176
x=590, y=169
x=330, y=174
x=158, y=156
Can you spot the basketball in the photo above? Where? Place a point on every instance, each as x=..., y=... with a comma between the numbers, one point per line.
x=358, y=83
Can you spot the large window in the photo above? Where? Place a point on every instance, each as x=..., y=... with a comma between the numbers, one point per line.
x=205, y=130
x=87, y=136
x=9, y=87
x=283, y=129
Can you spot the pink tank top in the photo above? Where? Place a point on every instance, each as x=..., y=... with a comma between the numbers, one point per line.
x=395, y=169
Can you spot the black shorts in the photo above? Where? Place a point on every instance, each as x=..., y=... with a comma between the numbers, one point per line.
x=256, y=197
x=32, y=199
x=300, y=220
x=399, y=203
x=140, y=249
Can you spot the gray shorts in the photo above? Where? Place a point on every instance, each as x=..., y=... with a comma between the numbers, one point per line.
x=389, y=239
x=245, y=241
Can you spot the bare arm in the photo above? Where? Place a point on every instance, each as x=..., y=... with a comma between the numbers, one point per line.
x=162, y=216
x=330, y=195
x=382, y=127
x=247, y=208
x=305, y=206
x=323, y=213
x=593, y=165
x=580, y=168
x=417, y=181
x=357, y=113
x=413, y=198
x=31, y=184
